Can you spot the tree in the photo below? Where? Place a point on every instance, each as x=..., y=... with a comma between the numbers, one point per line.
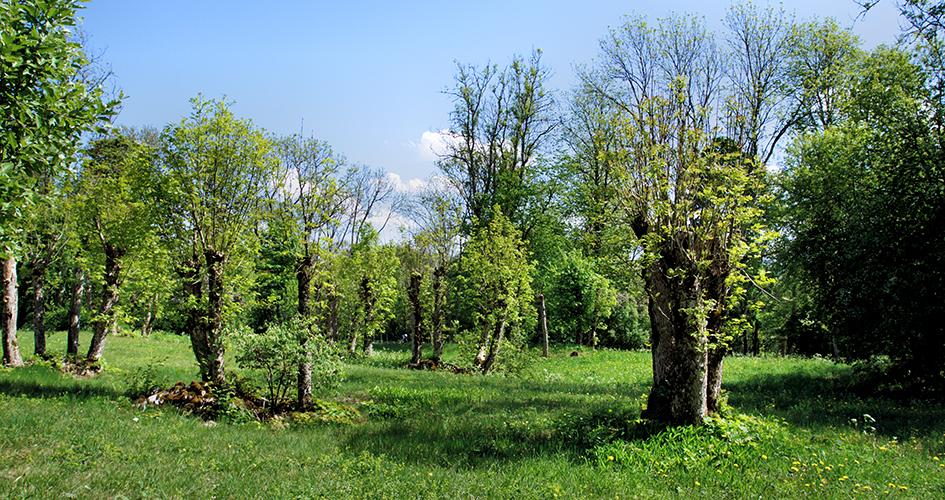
x=496, y=281
x=435, y=210
x=45, y=111
x=370, y=288
x=685, y=196
x=502, y=122
x=310, y=206
x=866, y=219
x=113, y=220
x=217, y=168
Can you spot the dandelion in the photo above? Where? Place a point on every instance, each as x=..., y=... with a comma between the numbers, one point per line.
x=610, y=457
x=764, y=457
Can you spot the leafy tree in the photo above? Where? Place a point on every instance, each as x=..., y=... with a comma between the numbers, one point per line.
x=866, y=220
x=686, y=196
x=496, y=283
x=217, y=168
x=580, y=300
x=45, y=111
x=370, y=288
x=308, y=212
x=502, y=121
x=113, y=220
x=435, y=210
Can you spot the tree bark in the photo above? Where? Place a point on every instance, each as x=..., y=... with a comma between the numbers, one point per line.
x=75, y=312
x=147, y=324
x=39, y=306
x=716, y=292
x=106, y=312
x=368, y=298
x=678, y=338
x=11, y=348
x=192, y=282
x=437, y=316
x=303, y=276
x=416, y=317
x=214, y=369
x=495, y=344
x=543, y=317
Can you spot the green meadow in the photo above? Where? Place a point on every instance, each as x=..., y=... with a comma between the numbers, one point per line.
x=565, y=427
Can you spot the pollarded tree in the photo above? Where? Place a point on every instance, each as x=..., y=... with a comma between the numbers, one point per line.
x=217, y=168
x=496, y=282
x=309, y=207
x=685, y=199
x=369, y=274
x=113, y=219
x=435, y=210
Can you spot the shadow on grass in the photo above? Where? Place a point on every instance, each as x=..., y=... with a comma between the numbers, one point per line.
x=41, y=382
x=835, y=400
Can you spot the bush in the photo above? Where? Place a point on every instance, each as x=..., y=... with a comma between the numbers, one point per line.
x=276, y=354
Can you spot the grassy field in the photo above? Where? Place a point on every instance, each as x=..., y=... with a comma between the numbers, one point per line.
x=568, y=429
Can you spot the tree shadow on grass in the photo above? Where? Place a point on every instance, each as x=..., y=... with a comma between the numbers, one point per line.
x=837, y=400
x=39, y=381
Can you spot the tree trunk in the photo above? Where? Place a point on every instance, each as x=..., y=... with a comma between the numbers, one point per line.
x=147, y=325
x=494, y=345
x=303, y=276
x=106, y=312
x=192, y=282
x=716, y=295
x=214, y=369
x=416, y=317
x=437, y=316
x=39, y=307
x=678, y=339
x=543, y=318
x=75, y=312
x=368, y=298
x=11, y=348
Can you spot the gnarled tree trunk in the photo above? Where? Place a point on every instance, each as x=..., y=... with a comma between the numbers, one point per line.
x=213, y=369
x=678, y=338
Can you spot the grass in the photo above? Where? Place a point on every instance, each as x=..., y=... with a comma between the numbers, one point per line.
x=797, y=428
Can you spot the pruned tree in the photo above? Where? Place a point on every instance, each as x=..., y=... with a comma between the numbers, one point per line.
x=217, y=169
x=310, y=205
x=685, y=196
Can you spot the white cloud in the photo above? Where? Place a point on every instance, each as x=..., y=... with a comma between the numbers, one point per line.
x=432, y=145
x=410, y=186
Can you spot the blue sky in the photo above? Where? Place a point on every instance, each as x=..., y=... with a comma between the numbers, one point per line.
x=366, y=76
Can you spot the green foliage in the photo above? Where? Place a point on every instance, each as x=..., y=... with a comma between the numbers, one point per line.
x=46, y=107
x=865, y=202
x=495, y=281
x=274, y=356
x=580, y=300
x=145, y=378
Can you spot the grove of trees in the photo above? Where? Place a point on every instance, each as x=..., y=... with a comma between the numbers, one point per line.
x=774, y=188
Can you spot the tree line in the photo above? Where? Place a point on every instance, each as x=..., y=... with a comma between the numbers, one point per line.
x=640, y=208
